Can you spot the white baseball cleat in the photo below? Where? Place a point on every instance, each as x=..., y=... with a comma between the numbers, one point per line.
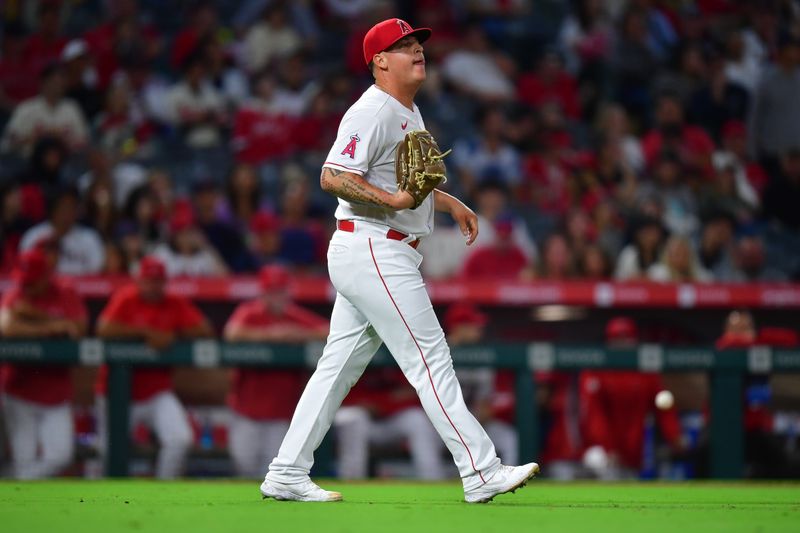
x=305, y=491
x=506, y=479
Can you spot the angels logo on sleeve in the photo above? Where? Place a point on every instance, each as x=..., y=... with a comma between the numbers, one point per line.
x=350, y=149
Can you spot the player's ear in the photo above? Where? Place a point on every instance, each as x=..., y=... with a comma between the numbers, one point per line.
x=380, y=61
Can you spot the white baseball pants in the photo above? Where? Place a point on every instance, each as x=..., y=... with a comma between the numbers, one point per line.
x=381, y=297
x=33, y=427
x=164, y=414
x=253, y=443
x=356, y=430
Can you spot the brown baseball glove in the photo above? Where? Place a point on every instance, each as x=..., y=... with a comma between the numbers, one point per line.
x=418, y=165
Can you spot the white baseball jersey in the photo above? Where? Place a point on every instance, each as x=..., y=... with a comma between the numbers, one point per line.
x=365, y=145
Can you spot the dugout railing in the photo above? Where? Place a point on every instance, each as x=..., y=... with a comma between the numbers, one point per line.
x=726, y=371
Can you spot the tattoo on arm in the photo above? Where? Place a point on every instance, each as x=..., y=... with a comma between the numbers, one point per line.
x=353, y=188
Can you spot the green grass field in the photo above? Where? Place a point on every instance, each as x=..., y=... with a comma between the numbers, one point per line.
x=199, y=506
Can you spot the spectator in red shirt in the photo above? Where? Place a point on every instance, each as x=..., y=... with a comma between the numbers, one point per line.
x=550, y=83
x=672, y=134
x=44, y=47
x=145, y=311
x=18, y=78
x=615, y=406
x=36, y=399
x=263, y=399
x=502, y=259
x=202, y=24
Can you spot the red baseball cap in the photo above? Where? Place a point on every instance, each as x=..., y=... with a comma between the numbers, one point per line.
x=384, y=34
x=32, y=266
x=274, y=277
x=621, y=328
x=264, y=221
x=463, y=314
x=151, y=267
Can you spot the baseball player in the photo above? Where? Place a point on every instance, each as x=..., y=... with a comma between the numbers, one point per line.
x=383, y=168
x=145, y=311
x=262, y=399
x=37, y=397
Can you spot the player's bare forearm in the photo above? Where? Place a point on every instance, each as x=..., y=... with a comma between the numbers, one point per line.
x=353, y=188
x=466, y=219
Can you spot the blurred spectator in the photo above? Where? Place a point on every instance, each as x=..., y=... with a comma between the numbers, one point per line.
x=689, y=77
x=558, y=261
x=636, y=258
x=634, y=63
x=120, y=128
x=302, y=238
x=715, y=250
x=500, y=260
x=243, y=194
x=724, y=194
x=492, y=203
x=263, y=400
x=718, y=100
x=741, y=68
x=36, y=398
x=203, y=24
x=44, y=46
x=80, y=249
x=679, y=263
x=476, y=55
x=224, y=75
x=550, y=83
x=671, y=133
x=751, y=263
x=296, y=88
x=782, y=195
x=271, y=38
x=188, y=252
x=671, y=186
x=776, y=114
x=739, y=331
x=382, y=409
x=613, y=124
x=586, y=37
x=594, y=264
x=100, y=212
x=122, y=38
x=140, y=215
x=81, y=78
x=221, y=234
x=47, y=115
x=145, y=311
x=43, y=176
x=487, y=155
x=488, y=394
x=750, y=176
x=18, y=75
x=615, y=408
x=261, y=125
x=265, y=237
x=197, y=107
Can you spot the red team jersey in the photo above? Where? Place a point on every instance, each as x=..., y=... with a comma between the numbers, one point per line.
x=269, y=394
x=615, y=406
x=43, y=384
x=171, y=314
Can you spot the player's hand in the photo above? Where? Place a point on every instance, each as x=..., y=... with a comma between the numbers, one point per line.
x=402, y=200
x=466, y=219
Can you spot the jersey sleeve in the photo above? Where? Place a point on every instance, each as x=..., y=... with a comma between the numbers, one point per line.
x=240, y=316
x=189, y=315
x=116, y=309
x=357, y=143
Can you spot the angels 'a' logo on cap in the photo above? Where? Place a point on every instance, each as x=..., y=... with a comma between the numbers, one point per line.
x=404, y=27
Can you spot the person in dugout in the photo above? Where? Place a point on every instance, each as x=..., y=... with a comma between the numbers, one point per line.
x=615, y=407
x=36, y=399
x=146, y=311
x=263, y=399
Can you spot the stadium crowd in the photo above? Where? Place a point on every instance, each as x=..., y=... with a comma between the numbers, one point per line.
x=597, y=140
